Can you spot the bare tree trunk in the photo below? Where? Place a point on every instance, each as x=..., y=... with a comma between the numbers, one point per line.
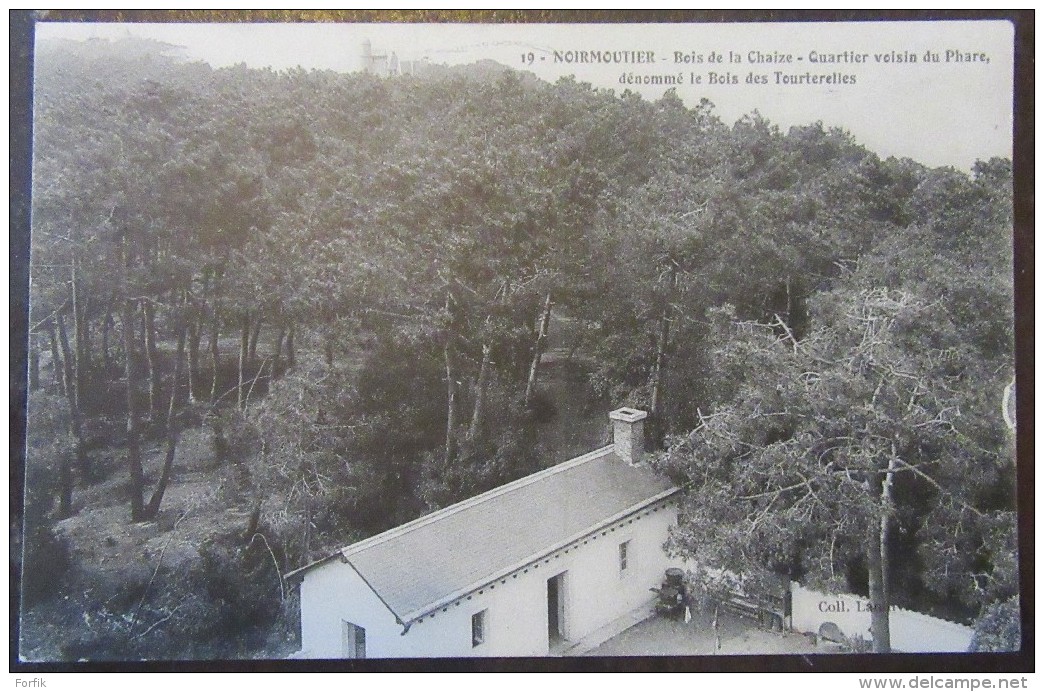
x=57, y=365
x=215, y=329
x=172, y=432
x=215, y=355
x=538, y=348
x=244, y=347
x=107, y=325
x=451, y=391
x=451, y=401
x=308, y=527
x=255, y=517
x=68, y=381
x=87, y=359
x=479, y=412
x=80, y=357
x=254, y=335
x=885, y=531
x=660, y=366
x=149, y=327
x=659, y=377
x=277, y=355
x=876, y=558
x=195, y=335
x=72, y=393
x=246, y=478
x=65, y=474
x=219, y=442
x=82, y=366
x=65, y=488
x=291, y=354
x=134, y=464
x=797, y=317
x=328, y=341
x=879, y=625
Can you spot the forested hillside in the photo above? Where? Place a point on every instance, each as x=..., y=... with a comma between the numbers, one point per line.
x=276, y=312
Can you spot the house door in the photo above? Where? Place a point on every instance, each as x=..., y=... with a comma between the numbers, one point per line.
x=353, y=640
x=556, y=615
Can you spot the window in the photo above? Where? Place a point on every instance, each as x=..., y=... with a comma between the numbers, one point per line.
x=623, y=555
x=478, y=628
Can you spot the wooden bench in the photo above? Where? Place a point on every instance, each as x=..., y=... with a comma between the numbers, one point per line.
x=765, y=614
x=742, y=606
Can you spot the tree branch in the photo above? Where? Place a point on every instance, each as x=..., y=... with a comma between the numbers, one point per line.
x=941, y=489
x=774, y=493
x=781, y=323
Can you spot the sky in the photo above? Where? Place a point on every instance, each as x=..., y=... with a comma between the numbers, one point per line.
x=870, y=78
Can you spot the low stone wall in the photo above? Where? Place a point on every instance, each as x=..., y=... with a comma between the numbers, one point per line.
x=911, y=631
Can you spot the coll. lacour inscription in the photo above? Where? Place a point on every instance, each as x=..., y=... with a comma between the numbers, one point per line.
x=842, y=605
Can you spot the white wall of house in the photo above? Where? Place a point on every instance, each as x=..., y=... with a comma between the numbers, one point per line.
x=595, y=593
x=516, y=622
x=333, y=593
x=909, y=631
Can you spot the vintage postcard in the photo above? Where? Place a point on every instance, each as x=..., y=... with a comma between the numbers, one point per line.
x=382, y=341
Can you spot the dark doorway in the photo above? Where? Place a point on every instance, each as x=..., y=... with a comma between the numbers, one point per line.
x=556, y=609
x=353, y=640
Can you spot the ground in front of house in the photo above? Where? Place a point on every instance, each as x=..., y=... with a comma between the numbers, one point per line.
x=660, y=636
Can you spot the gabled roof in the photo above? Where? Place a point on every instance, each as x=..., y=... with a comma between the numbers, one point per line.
x=419, y=566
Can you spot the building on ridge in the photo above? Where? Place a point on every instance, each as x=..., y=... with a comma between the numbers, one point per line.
x=387, y=64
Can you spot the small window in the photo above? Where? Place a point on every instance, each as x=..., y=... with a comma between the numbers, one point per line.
x=478, y=628
x=623, y=555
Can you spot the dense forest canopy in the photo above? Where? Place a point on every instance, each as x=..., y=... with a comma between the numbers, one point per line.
x=323, y=303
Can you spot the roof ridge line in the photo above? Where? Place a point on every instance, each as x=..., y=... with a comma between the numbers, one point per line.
x=472, y=501
x=417, y=613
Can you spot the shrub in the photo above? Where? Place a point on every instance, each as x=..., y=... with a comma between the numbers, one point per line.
x=999, y=628
x=542, y=406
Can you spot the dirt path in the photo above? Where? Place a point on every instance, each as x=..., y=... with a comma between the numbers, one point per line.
x=660, y=636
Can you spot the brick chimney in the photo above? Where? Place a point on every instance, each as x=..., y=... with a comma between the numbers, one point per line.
x=628, y=439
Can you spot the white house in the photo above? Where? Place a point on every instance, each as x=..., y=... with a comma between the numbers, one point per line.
x=525, y=569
